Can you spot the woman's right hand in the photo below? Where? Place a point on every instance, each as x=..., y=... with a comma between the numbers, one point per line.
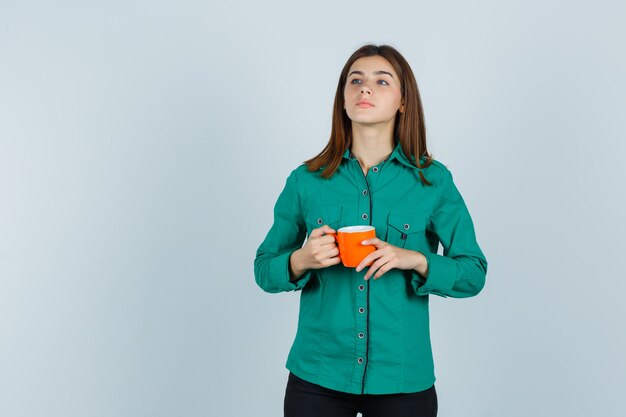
x=319, y=251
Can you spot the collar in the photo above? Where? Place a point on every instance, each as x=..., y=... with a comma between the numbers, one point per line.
x=397, y=154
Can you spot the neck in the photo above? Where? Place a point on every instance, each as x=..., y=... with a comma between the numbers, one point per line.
x=371, y=144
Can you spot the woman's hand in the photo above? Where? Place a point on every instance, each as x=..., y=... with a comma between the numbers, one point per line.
x=387, y=256
x=319, y=251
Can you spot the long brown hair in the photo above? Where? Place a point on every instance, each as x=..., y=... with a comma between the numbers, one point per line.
x=409, y=126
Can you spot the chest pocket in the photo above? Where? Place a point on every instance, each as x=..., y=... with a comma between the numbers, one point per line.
x=406, y=229
x=318, y=216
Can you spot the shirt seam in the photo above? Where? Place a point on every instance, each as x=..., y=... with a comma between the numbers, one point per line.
x=437, y=198
x=300, y=215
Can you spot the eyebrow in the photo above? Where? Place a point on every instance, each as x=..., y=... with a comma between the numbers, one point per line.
x=375, y=73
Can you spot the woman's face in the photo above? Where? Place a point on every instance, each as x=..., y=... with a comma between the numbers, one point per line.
x=372, y=93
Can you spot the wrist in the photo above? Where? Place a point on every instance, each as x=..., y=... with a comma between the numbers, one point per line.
x=421, y=264
x=296, y=265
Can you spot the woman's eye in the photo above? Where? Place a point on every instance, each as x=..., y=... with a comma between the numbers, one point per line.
x=358, y=81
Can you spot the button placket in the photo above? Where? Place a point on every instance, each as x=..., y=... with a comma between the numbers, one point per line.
x=366, y=199
x=361, y=315
x=365, y=202
x=360, y=329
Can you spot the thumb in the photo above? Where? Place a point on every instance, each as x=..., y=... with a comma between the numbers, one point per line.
x=321, y=230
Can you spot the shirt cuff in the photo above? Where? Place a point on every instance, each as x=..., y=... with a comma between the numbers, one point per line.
x=440, y=279
x=279, y=271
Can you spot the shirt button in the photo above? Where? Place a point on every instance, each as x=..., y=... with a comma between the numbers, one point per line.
x=361, y=310
x=364, y=216
x=406, y=226
x=361, y=287
x=364, y=192
x=320, y=221
x=360, y=360
x=375, y=169
x=361, y=335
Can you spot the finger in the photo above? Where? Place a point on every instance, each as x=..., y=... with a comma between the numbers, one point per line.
x=330, y=252
x=367, y=261
x=328, y=230
x=377, y=267
x=327, y=252
x=364, y=262
x=321, y=230
x=386, y=267
x=372, y=269
x=327, y=240
x=323, y=247
x=331, y=261
x=373, y=242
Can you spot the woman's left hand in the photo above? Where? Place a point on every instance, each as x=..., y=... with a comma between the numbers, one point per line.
x=387, y=256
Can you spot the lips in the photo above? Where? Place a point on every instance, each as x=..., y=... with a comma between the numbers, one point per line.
x=364, y=104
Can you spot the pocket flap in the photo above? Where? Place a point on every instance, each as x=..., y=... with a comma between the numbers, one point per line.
x=321, y=215
x=407, y=222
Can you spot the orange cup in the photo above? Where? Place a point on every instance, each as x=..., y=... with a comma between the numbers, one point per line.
x=351, y=251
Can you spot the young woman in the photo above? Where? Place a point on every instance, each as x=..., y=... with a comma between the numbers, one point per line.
x=363, y=342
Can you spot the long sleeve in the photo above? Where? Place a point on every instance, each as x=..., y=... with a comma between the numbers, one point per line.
x=461, y=271
x=271, y=265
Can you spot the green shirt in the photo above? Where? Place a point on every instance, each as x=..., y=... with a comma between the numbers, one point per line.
x=371, y=337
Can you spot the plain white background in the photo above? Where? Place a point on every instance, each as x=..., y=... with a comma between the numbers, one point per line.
x=143, y=145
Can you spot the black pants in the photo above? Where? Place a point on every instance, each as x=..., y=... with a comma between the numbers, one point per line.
x=304, y=399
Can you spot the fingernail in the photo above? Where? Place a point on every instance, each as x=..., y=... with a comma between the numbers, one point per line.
x=364, y=242
x=358, y=269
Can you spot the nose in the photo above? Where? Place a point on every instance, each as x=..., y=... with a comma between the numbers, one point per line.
x=365, y=89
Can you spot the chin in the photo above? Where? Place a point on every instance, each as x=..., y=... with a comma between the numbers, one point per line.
x=368, y=120
x=363, y=118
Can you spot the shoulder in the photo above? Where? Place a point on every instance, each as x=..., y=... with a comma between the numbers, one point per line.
x=436, y=172
x=438, y=165
x=299, y=172
x=302, y=173
x=300, y=176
